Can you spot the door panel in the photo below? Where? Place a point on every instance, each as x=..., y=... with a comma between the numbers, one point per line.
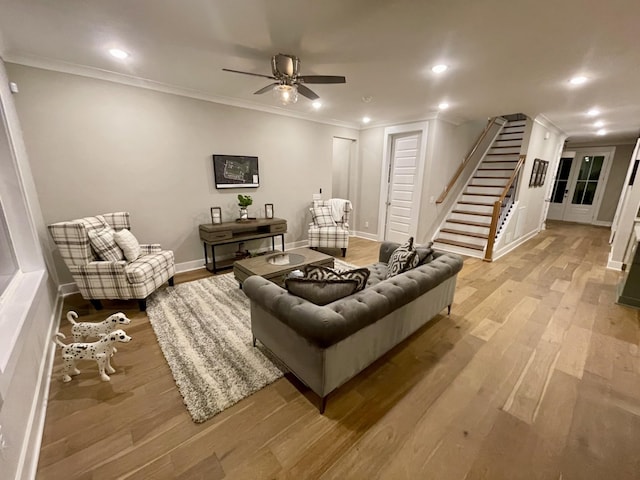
x=560, y=189
x=578, y=185
x=403, y=168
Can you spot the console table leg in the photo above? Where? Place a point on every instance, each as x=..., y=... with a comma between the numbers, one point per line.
x=282, y=240
x=213, y=258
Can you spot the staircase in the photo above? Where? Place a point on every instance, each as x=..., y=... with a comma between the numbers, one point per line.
x=466, y=229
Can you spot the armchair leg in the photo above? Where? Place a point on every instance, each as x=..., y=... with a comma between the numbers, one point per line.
x=142, y=303
x=171, y=282
x=344, y=252
x=97, y=304
x=323, y=404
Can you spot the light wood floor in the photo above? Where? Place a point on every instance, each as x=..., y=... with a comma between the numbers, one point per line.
x=535, y=375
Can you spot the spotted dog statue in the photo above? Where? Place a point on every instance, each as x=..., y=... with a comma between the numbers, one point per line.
x=99, y=351
x=81, y=330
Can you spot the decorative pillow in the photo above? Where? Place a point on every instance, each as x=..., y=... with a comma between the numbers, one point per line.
x=322, y=217
x=402, y=259
x=318, y=272
x=320, y=292
x=425, y=253
x=104, y=244
x=128, y=243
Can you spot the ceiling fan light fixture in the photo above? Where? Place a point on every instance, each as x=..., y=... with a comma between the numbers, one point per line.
x=286, y=94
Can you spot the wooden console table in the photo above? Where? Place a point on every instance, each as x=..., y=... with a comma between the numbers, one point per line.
x=213, y=235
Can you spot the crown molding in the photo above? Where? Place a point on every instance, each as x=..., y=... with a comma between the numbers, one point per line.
x=130, y=80
x=426, y=117
x=548, y=124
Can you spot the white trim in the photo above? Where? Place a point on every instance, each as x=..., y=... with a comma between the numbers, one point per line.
x=16, y=311
x=366, y=235
x=35, y=429
x=600, y=223
x=425, y=118
x=130, y=80
x=389, y=132
x=614, y=265
x=549, y=125
x=67, y=289
x=515, y=244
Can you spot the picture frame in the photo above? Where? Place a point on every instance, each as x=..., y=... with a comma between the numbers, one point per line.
x=216, y=215
x=543, y=174
x=534, y=172
x=268, y=210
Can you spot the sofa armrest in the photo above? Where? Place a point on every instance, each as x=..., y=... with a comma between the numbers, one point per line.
x=113, y=269
x=146, y=249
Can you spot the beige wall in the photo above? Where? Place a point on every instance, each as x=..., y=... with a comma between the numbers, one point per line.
x=369, y=173
x=615, y=182
x=97, y=146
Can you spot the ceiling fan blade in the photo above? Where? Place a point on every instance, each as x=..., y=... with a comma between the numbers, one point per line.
x=249, y=73
x=266, y=89
x=307, y=92
x=322, y=79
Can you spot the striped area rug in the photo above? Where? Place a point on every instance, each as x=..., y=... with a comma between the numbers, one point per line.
x=204, y=330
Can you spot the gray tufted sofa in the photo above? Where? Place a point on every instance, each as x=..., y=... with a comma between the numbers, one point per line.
x=325, y=346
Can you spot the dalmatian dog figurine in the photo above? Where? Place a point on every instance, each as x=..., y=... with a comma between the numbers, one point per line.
x=99, y=351
x=80, y=330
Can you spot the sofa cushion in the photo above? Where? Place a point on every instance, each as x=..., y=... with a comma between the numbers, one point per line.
x=105, y=245
x=321, y=292
x=128, y=243
x=318, y=272
x=322, y=217
x=425, y=253
x=403, y=258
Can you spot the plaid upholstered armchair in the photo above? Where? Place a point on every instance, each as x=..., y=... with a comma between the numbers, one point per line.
x=330, y=226
x=107, y=262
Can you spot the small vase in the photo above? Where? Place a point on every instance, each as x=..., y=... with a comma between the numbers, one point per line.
x=244, y=214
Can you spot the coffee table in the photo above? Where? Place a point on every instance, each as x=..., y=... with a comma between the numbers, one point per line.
x=275, y=266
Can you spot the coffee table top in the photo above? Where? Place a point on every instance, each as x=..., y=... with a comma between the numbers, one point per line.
x=269, y=266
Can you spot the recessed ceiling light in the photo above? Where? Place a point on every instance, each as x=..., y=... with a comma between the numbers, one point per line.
x=317, y=104
x=579, y=80
x=593, y=112
x=366, y=119
x=599, y=124
x=602, y=131
x=443, y=106
x=439, y=68
x=121, y=54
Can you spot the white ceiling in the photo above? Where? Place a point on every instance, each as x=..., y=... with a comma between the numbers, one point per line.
x=504, y=56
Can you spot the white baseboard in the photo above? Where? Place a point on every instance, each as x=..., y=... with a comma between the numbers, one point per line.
x=366, y=235
x=614, y=264
x=514, y=245
x=67, y=289
x=33, y=442
x=599, y=223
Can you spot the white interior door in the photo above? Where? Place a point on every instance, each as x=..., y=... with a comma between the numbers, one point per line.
x=560, y=188
x=579, y=186
x=402, y=174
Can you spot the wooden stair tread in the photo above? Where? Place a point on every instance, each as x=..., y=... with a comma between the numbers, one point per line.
x=490, y=154
x=497, y=195
x=466, y=222
x=486, y=186
x=482, y=204
x=459, y=244
x=460, y=232
x=494, y=177
x=467, y=212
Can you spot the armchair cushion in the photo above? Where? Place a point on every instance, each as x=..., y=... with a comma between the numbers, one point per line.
x=104, y=244
x=322, y=217
x=147, y=266
x=128, y=243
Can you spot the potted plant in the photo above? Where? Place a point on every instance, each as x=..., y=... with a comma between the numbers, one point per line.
x=243, y=202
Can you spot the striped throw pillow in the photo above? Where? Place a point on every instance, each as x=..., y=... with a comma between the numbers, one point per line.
x=105, y=245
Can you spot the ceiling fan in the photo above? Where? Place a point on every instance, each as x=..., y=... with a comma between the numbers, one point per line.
x=286, y=70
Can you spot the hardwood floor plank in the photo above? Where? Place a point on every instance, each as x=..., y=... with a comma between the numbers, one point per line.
x=538, y=330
